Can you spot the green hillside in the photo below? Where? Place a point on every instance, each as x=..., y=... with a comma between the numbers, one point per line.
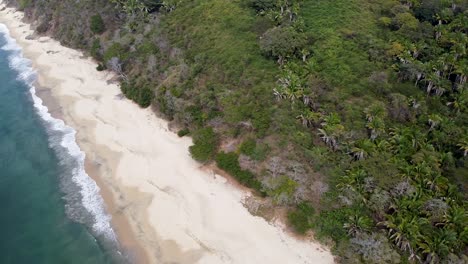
x=351, y=114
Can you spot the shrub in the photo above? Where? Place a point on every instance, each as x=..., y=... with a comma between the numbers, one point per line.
x=196, y=114
x=283, y=190
x=147, y=48
x=205, y=143
x=43, y=27
x=229, y=162
x=145, y=96
x=301, y=217
x=24, y=4
x=95, y=50
x=254, y=150
x=330, y=224
x=100, y=67
x=282, y=42
x=116, y=50
x=97, y=24
x=142, y=96
x=262, y=5
x=183, y=132
x=248, y=147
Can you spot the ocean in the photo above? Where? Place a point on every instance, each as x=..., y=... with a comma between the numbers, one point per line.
x=51, y=210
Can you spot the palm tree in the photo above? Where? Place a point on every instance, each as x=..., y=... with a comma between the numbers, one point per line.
x=331, y=119
x=353, y=180
x=398, y=233
x=451, y=195
x=358, y=223
x=331, y=130
x=305, y=53
x=461, y=69
x=382, y=145
x=169, y=5
x=407, y=140
x=438, y=245
x=291, y=87
x=376, y=110
x=132, y=7
x=456, y=218
x=421, y=170
x=375, y=127
x=432, y=81
x=436, y=182
x=463, y=145
x=328, y=138
x=434, y=121
x=309, y=118
x=459, y=41
x=362, y=149
x=459, y=101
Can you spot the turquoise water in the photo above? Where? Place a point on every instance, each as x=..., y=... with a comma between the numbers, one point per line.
x=50, y=211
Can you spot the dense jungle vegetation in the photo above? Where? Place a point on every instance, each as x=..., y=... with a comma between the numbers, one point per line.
x=350, y=113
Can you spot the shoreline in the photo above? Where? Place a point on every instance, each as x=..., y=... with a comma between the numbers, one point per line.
x=43, y=84
x=164, y=206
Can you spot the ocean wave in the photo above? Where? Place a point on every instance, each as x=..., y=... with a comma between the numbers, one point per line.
x=62, y=139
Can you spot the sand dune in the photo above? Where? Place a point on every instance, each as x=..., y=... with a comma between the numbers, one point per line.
x=161, y=202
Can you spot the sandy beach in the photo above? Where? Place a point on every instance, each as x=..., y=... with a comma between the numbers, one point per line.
x=165, y=208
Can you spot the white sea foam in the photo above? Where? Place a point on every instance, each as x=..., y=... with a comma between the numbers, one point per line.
x=91, y=200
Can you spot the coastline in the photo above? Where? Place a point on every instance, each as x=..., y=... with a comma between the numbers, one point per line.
x=164, y=207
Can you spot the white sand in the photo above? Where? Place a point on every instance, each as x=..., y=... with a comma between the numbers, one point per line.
x=177, y=211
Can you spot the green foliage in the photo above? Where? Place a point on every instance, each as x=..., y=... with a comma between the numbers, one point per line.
x=24, y=4
x=147, y=48
x=205, y=142
x=283, y=189
x=100, y=67
x=153, y=5
x=141, y=95
x=282, y=42
x=97, y=24
x=370, y=95
x=229, y=162
x=301, y=218
x=183, y=132
x=224, y=58
x=132, y=7
x=262, y=5
x=43, y=26
x=116, y=50
x=248, y=147
x=330, y=224
x=95, y=50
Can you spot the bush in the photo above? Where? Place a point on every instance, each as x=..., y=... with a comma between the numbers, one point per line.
x=248, y=147
x=196, y=114
x=142, y=96
x=283, y=189
x=100, y=67
x=301, y=217
x=262, y=5
x=97, y=24
x=147, y=48
x=116, y=50
x=145, y=97
x=183, y=132
x=95, y=50
x=254, y=150
x=205, y=143
x=282, y=42
x=24, y=4
x=229, y=162
x=43, y=27
x=330, y=224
